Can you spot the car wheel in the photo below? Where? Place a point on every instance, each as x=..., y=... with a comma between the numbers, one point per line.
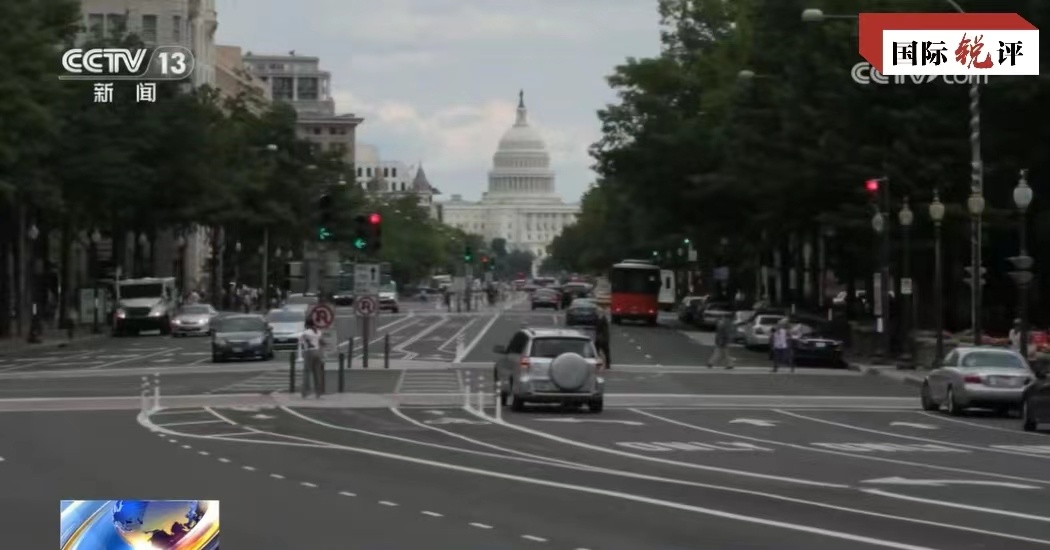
x=928, y=404
x=596, y=405
x=268, y=356
x=950, y=402
x=1028, y=421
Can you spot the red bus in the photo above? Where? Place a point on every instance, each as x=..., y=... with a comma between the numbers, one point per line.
x=634, y=291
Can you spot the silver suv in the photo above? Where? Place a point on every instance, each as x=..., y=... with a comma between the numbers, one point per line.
x=550, y=366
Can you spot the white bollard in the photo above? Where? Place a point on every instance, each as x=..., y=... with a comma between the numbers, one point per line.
x=498, y=406
x=144, y=390
x=481, y=394
x=156, y=391
x=466, y=390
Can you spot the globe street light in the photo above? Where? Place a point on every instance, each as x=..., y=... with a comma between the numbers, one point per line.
x=746, y=74
x=937, y=215
x=1022, y=263
x=814, y=15
x=975, y=205
x=905, y=217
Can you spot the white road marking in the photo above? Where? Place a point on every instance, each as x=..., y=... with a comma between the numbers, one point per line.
x=249, y=468
x=138, y=357
x=995, y=511
x=387, y=503
x=647, y=356
x=162, y=360
x=840, y=453
x=477, y=339
x=347, y=494
x=754, y=422
x=481, y=526
x=308, y=484
x=194, y=422
x=896, y=480
x=534, y=538
x=167, y=412
x=203, y=453
x=432, y=514
x=915, y=425
x=186, y=447
x=224, y=460
x=976, y=425
x=277, y=476
x=899, y=436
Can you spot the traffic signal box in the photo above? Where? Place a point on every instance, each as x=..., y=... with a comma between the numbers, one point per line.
x=326, y=215
x=468, y=254
x=368, y=233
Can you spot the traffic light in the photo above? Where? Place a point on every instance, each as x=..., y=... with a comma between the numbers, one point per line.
x=375, y=225
x=872, y=187
x=361, y=233
x=484, y=262
x=324, y=226
x=468, y=254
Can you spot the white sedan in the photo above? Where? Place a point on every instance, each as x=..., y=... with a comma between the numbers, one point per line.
x=977, y=377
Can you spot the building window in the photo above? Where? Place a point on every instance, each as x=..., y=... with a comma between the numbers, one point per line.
x=149, y=29
x=368, y=171
x=393, y=172
x=317, y=131
x=360, y=172
x=97, y=24
x=386, y=172
x=116, y=23
x=176, y=28
x=282, y=88
x=402, y=186
x=308, y=89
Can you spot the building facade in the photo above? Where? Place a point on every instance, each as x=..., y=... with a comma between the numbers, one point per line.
x=392, y=178
x=299, y=81
x=521, y=204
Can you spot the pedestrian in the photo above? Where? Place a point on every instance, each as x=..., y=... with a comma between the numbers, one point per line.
x=310, y=348
x=781, y=343
x=1015, y=336
x=602, y=339
x=723, y=337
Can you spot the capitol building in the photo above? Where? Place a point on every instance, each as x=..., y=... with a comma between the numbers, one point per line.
x=521, y=204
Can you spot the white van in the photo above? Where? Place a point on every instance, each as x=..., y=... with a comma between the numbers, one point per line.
x=667, y=292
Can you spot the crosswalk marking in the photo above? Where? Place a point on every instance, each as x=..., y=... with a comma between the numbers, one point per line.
x=266, y=382
x=446, y=381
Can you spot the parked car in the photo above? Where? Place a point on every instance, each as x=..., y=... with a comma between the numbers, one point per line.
x=973, y=376
x=582, y=311
x=546, y=298
x=760, y=329
x=193, y=319
x=1035, y=403
x=241, y=337
x=713, y=312
x=817, y=347
x=549, y=366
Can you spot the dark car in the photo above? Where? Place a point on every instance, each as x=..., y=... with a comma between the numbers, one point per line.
x=546, y=298
x=1035, y=402
x=817, y=348
x=343, y=298
x=241, y=337
x=582, y=311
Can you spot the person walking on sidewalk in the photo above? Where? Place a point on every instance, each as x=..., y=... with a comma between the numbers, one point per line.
x=723, y=337
x=781, y=342
x=312, y=352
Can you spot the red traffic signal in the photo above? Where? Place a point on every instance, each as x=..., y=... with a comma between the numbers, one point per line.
x=375, y=219
x=484, y=259
x=872, y=186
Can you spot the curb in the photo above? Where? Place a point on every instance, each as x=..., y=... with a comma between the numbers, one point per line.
x=52, y=344
x=873, y=371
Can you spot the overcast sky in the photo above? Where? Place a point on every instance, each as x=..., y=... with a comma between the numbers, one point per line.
x=437, y=80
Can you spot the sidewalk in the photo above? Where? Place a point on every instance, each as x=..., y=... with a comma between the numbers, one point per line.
x=51, y=339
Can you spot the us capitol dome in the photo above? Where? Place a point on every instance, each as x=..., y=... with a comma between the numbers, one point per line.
x=521, y=204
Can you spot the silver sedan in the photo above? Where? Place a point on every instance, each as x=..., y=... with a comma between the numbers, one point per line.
x=977, y=377
x=193, y=319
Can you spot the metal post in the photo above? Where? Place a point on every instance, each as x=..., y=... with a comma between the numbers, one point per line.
x=291, y=371
x=145, y=393
x=466, y=389
x=938, y=294
x=496, y=403
x=94, y=287
x=1023, y=303
x=366, y=334
x=884, y=270
x=907, y=323
x=977, y=186
x=266, y=270
x=481, y=394
x=156, y=391
x=342, y=374
x=386, y=351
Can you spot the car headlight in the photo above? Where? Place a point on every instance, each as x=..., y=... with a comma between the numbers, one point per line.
x=121, y=314
x=157, y=311
x=256, y=341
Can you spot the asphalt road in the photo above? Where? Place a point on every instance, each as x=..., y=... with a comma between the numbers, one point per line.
x=627, y=479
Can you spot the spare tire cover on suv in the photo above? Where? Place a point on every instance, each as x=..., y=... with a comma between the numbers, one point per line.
x=570, y=371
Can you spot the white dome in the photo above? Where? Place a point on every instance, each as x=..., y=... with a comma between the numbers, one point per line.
x=521, y=166
x=522, y=138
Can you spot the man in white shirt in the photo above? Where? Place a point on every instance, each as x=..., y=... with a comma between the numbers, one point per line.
x=781, y=343
x=310, y=346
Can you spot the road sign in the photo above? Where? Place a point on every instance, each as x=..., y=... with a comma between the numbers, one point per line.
x=366, y=279
x=905, y=285
x=366, y=306
x=322, y=315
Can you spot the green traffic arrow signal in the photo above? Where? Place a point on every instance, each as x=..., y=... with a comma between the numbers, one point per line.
x=360, y=243
x=323, y=233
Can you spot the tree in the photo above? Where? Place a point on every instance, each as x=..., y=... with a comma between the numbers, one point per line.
x=498, y=247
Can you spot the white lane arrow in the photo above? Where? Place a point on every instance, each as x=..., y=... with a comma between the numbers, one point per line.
x=581, y=420
x=946, y=482
x=754, y=422
x=914, y=425
x=262, y=416
x=435, y=412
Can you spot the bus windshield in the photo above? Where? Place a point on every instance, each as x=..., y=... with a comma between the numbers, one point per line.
x=635, y=281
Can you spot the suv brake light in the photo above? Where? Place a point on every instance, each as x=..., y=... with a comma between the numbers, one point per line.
x=524, y=363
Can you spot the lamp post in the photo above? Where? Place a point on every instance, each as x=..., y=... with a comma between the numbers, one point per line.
x=975, y=205
x=95, y=238
x=1022, y=262
x=180, y=265
x=937, y=215
x=905, y=217
x=35, y=327
x=878, y=223
x=237, y=263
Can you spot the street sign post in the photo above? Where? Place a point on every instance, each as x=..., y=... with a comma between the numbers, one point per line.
x=366, y=279
x=322, y=315
x=366, y=307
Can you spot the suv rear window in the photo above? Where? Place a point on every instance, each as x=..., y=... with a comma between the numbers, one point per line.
x=549, y=348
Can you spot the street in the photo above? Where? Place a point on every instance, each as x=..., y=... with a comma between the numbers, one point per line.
x=685, y=456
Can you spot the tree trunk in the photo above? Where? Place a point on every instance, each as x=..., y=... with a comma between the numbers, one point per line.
x=66, y=292
x=21, y=266
x=6, y=269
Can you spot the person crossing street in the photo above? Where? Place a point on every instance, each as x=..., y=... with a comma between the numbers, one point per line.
x=723, y=337
x=310, y=347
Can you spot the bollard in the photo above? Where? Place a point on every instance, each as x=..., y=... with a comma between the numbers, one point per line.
x=156, y=391
x=291, y=372
x=342, y=381
x=481, y=394
x=498, y=405
x=145, y=393
x=350, y=356
x=466, y=390
x=386, y=351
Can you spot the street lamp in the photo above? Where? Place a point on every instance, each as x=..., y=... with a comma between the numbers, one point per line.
x=975, y=205
x=905, y=217
x=937, y=215
x=746, y=74
x=878, y=223
x=1022, y=274
x=180, y=265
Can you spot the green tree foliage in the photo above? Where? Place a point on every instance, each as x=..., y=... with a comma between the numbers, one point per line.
x=691, y=149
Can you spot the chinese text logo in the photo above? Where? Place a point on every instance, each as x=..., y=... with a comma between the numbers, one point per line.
x=162, y=63
x=864, y=73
